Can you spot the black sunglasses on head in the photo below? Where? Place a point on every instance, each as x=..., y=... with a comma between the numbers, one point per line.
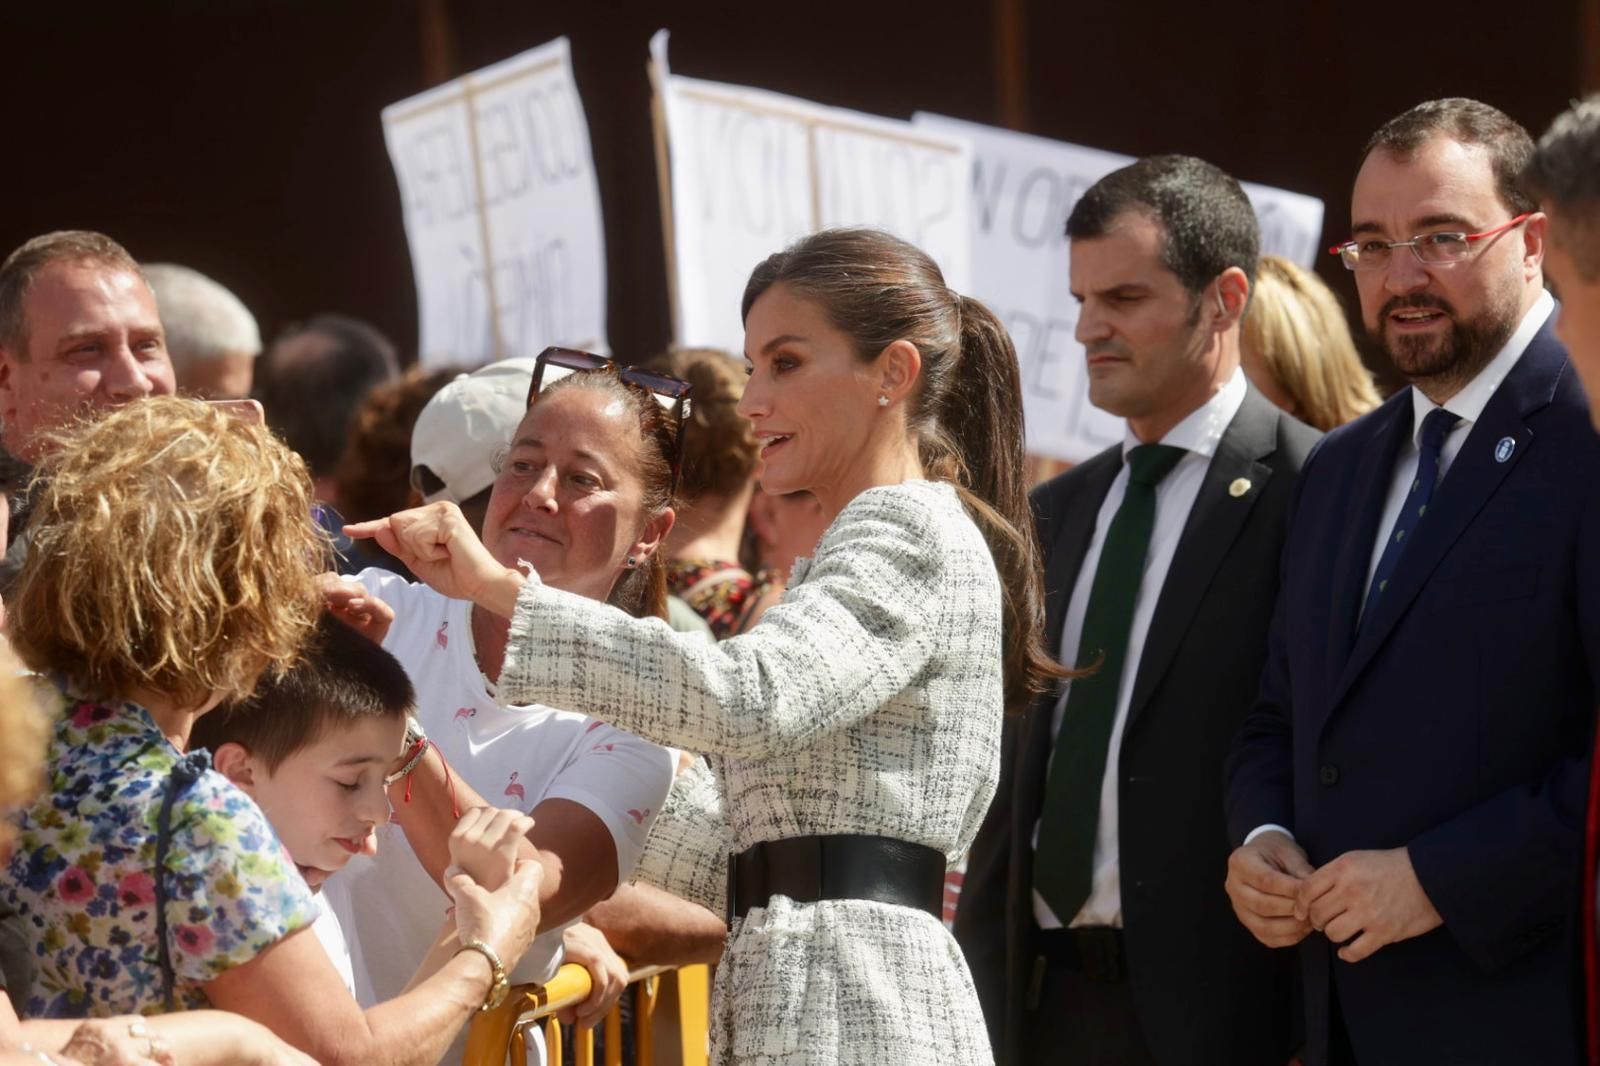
x=674, y=389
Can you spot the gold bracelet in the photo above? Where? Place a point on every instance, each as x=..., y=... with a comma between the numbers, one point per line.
x=499, y=987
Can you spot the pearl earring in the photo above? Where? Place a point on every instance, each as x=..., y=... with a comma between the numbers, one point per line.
x=883, y=401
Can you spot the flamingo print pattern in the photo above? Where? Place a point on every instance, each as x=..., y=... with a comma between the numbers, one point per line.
x=442, y=638
x=515, y=789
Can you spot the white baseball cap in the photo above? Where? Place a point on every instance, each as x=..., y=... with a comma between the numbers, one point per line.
x=463, y=431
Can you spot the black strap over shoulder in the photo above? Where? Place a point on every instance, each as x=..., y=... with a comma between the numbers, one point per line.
x=185, y=772
x=842, y=866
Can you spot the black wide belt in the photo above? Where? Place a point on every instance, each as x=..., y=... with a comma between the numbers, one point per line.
x=808, y=869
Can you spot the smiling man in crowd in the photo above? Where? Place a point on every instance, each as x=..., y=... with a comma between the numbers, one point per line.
x=79, y=331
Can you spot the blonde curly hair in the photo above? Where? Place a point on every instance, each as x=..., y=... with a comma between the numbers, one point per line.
x=26, y=727
x=173, y=550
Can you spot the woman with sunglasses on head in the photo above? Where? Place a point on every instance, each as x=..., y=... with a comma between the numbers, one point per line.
x=857, y=725
x=584, y=493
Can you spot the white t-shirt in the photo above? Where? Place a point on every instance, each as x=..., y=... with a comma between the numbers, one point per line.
x=326, y=927
x=513, y=756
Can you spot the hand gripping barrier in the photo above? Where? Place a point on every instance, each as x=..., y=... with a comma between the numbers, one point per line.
x=661, y=1037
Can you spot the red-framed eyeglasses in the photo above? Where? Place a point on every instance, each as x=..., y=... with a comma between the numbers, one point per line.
x=1435, y=249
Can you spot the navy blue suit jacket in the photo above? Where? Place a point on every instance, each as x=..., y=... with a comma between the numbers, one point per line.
x=1455, y=723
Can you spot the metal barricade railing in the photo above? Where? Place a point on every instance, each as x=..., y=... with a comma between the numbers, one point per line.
x=679, y=1040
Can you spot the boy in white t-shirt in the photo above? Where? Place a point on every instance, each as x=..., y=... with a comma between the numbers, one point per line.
x=313, y=748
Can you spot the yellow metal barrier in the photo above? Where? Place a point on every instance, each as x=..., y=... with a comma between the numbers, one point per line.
x=678, y=1039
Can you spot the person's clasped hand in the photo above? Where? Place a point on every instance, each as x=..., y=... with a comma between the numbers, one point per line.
x=1366, y=900
x=1265, y=878
x=484, y=844
x=505, y=919
x=120, y=1041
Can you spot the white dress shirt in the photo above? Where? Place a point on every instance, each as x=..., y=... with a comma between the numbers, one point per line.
x=1198, y=434
x=1468, y=404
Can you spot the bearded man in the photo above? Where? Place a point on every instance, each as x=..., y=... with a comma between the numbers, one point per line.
x=1407, y=797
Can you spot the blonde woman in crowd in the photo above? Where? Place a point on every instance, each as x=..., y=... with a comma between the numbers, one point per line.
x=174, y=563
x=1296, y=348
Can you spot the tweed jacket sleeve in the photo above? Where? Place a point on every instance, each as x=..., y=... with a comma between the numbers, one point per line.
x=687, y=853
x=854, y=632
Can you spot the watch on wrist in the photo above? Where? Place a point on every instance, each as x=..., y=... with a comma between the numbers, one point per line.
x=499, y=986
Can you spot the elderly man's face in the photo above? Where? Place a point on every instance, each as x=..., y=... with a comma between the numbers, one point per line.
x=222, y=377
x=93, y=340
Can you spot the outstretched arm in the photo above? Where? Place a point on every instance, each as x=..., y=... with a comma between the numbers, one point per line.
x=849, y=637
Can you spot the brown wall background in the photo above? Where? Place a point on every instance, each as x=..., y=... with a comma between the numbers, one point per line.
x=241, y=137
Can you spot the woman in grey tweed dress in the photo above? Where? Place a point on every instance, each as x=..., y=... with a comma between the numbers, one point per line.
x=869, y=701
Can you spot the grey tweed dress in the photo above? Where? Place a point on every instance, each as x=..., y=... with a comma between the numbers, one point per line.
x=868, y=701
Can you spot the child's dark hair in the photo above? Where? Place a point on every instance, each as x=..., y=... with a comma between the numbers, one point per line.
x=342, y=678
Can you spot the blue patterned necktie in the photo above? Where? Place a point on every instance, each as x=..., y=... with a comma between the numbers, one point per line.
x=1435, y=427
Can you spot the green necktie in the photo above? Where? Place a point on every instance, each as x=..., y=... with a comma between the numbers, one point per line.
x=1063, y=867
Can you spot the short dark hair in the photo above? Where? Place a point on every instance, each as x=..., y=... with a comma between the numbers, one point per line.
x=1564, y=173
x=311, y=399
x=1465, y=122
x=342, y=678
x=23, y=265
x=1206, y=219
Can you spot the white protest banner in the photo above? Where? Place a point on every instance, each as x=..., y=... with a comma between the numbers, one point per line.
x=746, y=172
x=1022, y=189
x=502, y=211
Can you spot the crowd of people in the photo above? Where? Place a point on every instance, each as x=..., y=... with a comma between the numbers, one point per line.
x=338, y=699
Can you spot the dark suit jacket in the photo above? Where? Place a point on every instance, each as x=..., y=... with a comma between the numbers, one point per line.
x=1206, y=992
x=1456, y=722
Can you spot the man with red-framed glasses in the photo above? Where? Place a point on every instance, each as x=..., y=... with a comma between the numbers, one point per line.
x=1421, y=738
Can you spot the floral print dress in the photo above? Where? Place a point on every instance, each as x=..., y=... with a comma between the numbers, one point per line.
x=82, y=873
x=721, y=592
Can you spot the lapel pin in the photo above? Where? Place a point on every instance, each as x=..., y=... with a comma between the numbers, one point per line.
x=1503, y=450
x=1239, y=487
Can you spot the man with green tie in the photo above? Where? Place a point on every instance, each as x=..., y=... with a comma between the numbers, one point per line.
x=1093, y=913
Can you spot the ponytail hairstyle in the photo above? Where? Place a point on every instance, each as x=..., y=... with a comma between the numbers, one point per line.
x=966, y=412
x=642, y=591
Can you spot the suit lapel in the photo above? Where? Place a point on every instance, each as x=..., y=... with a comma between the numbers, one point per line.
x=1477, y=471
x=1213, y=523
x=1392, y=425
x=1064, y=536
